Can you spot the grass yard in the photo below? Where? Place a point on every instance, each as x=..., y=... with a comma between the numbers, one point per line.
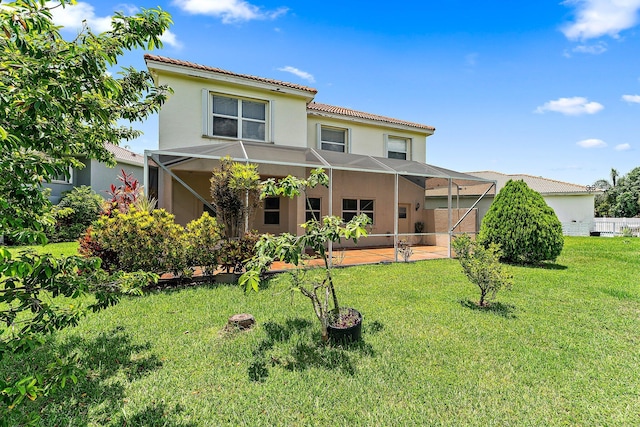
x=56, y=249
x=561, y=348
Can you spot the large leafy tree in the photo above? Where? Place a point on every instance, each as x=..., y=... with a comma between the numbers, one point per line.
x=620, y=197
x=526, y=228
x=58, y=101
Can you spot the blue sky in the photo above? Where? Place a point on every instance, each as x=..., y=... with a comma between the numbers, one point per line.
x=546, y=88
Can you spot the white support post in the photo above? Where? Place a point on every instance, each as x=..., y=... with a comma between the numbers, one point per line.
x=330, y=213
x=450, y=218
x=395, y=217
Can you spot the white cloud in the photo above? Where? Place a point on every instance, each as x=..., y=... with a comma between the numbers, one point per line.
x=623, y=147
x=591, y=143
x=170, y=38
x=594, y=49
x=229, y=11
x=302, y=74
x=631, y=98
x=571, y=106
x=72, y=17
x=596, y=18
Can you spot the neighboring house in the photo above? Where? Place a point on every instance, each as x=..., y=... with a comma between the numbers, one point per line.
x=376, y=163
x=97, y=175
x=572, y=203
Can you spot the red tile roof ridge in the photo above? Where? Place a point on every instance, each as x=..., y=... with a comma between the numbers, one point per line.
x=316, y=106
x=193, y=65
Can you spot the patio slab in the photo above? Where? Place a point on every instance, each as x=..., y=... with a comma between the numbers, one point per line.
x=360, y=256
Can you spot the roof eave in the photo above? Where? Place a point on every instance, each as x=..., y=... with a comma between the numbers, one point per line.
x=426, y=131
x=154, y=66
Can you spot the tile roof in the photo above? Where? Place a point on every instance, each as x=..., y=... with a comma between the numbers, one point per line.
x=164, y=59
x=537, y=183
x=123, y=155
x=324, y=108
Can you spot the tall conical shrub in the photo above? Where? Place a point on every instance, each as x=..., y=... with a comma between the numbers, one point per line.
x=525, y=227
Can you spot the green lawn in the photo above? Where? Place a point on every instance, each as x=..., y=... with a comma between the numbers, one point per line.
x=561, y=348
x=56, y=249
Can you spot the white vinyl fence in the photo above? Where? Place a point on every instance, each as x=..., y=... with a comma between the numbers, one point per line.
x=582, y=228
x=616, y=226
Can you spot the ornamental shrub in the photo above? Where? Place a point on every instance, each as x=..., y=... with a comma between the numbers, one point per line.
x=526, y=228
x=138, y=240
x=124, y=195
x=77, y=209
x=202, y=243
x=235, y=253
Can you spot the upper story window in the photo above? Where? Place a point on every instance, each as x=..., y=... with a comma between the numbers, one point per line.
x=398, y=148
x=238, y=118
x=334, y=139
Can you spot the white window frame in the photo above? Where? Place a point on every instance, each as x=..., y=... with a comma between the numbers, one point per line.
x=359, y=210
x=347, y=137
x=65, y=180
x=207, y=120
x=407, y=141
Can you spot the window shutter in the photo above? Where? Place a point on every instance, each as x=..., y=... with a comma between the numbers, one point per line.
x=385, y=145
x=271, y=129
x=205, y=112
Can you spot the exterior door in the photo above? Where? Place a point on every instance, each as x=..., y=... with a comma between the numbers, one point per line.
x=404, y=211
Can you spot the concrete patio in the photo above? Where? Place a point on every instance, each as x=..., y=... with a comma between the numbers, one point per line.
x=359, y=256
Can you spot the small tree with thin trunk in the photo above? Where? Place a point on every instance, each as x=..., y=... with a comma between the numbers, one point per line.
x=235, y=195
x=482, y=267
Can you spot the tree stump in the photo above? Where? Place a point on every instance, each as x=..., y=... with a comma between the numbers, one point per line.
x=241, y=321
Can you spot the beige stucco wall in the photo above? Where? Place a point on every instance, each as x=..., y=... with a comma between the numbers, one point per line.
x=368, y=138
x=346, y=184
x=462, y=203
x=181, y=117
x=437, y=221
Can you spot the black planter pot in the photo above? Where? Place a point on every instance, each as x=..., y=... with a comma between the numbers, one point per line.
x=346, y=334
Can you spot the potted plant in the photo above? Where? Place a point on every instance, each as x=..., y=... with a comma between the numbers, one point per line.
x=337, y=322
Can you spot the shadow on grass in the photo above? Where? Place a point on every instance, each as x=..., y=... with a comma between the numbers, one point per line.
x=542, y=266
x=498, y=308
x=209, y=282
x=296, y=346
x=103, y=364
x=154, y=415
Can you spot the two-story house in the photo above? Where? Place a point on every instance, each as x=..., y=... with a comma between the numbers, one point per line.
x=376, y=164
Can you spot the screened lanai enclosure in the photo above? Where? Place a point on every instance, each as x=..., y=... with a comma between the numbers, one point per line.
x=390, y=191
